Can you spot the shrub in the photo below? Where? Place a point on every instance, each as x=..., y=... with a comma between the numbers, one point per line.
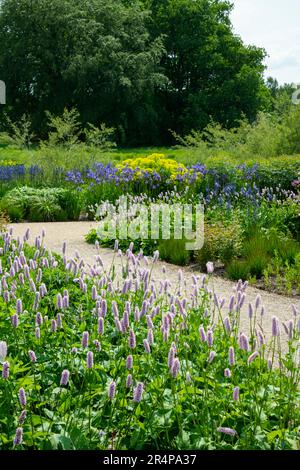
x=65, y=129
x=238, y=269
x=155, y=163
x=45, y=204
x=222, y=241
x=18, y=133
x=174, y=251
x=100, y=137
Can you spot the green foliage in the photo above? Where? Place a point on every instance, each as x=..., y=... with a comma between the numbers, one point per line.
x=207, y=65
x=268, y=253
x=65, y=129
x=136, y=67
x=100, y=137
x=174, y=251
x=269, y=135
x=100, y=60
x=222, y=241
x=37, y=205
x=238, y=269
x=18, y=134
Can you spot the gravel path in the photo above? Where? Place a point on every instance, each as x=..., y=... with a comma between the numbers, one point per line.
x=74, y=232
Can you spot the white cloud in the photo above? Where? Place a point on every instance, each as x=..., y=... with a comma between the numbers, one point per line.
x=275, y=26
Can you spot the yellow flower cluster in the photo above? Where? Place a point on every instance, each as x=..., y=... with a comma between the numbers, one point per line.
x=8, y=163
x=155, y=162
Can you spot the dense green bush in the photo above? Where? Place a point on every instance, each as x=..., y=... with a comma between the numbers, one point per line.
x=222, y=241
x=37, y=205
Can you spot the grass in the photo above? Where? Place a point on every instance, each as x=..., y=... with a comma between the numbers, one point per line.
x=82, y=155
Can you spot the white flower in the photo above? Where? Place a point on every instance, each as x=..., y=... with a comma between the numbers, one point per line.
x=3, y=350
x=210, y=267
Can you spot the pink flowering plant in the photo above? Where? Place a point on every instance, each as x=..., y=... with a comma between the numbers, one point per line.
x=124, y=361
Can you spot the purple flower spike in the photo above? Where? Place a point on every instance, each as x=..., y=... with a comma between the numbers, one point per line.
x=38, y=319
x=212, y=355
x=90, y=360
x=227, y=373
x=3, y=350
x=94, y=293
x=131, y=340
x=129, y=362
x=231, y=303
x=32, y=356
x=227, y=325
x=147, y=346
x=19, y=307
x=115, y=310
x=59, y=302
x=210, y=338
x=253, y=357
x=85, y=339
x=65, y=377
x=257, y=301
x=150, y=337
x=236, y=393
x=53, y=326
x=103, y=308
x=171, y=357
x=202, y=334
x=244, y=342
x=18, y=437
x=250, y=311
x=59, y=320
x=5, y=370
x=37, y=332
x=22, y=397
x=228, y=431
x=149, y=322
x=22, y=417
x=231, y=356
x=112, y=390
x=175, y=368
x=15, y=320
x=100, y=326
x=275, y=327
x=129, y=381
x=138, y=392
x=65, y=301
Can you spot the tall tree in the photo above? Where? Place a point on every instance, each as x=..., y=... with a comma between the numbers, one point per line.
x=211, y=72
x=93, y=54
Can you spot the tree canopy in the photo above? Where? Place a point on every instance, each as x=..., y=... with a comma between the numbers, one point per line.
x=141, y=67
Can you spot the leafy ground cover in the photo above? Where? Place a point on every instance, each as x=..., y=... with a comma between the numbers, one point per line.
x=95, y=357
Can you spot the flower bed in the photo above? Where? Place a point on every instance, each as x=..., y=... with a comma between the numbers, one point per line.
x=97, y=362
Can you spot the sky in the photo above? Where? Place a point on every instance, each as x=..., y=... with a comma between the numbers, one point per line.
x=275, y=26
